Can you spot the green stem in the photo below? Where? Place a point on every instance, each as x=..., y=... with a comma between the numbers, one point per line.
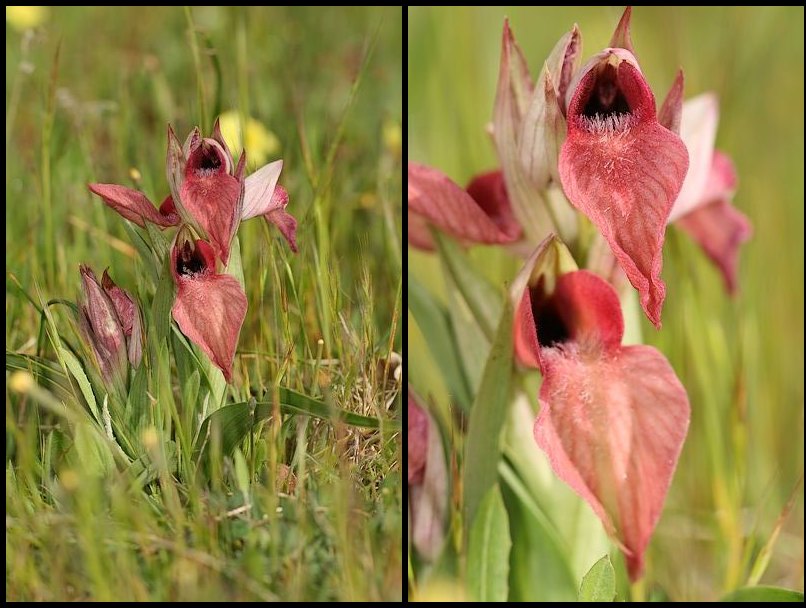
x=194, y=48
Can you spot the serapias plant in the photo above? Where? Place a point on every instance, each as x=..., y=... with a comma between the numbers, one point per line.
x=592, y=170
x=209, y=198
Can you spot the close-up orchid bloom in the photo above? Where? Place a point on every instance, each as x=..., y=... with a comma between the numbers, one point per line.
x=588, y=401
x=613, y=418
x=209, y=192
x=210, y=307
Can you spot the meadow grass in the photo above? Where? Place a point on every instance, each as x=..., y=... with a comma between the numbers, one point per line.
x=734, y=514
x=304, y=508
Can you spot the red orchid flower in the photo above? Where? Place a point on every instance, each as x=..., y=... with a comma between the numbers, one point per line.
x=427, y=481
x=109, y=322
x=481, y=214
x=703, y=208
x=612, y=418
x=210, y=307
x=208, y=192
x=620, y=166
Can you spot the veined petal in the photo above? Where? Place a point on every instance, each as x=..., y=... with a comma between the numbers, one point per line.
x=259, y=190
x=698, y=130
x=622, y=169
x=211, y=195
x=134, y=205
x=613, y=427
x=490, y=193
x=122, y=301
x=210, y=308
x=287, y=224
x=440, y=201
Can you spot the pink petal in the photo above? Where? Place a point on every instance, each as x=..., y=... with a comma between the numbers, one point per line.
x=671, y=111
x=287, y=224
x=440, y=201
x=418, y=440
x=122, y=301
x=698, y=130
x=220, y=139
x=622, y=169
x=428, y=492
x=490, y=193
x=720, y=230
x=613, y=427
x=129, y=316
x=259, y=190
x=418, y=232
x=211, y=195
x=621, y=37
x=134, y=205
x=210, y=308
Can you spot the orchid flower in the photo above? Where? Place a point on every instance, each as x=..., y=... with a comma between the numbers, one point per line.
x=482, y=214
x=620, y=166
x=703, y=208
x=210, y=307
x=612, y=418
x=109, y=322
x=427, y=481
x=208, y=192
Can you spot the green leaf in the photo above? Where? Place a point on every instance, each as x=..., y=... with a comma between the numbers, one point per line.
x=236, y=420
x=242, y=474
x=472, y=344
x=163, y=302
x=144, y=249
x=433, y=322
x=488, y=550
x=482, y=448
x=483, y=299
x=93, y=452
x=599, y=584
x=540, y=567
x=763, y=594
x=74, y=365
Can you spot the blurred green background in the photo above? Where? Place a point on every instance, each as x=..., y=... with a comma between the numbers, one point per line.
x=741, y=360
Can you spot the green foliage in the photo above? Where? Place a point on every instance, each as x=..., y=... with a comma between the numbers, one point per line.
x=763, y=594
x=599, y=584
x=488, y=550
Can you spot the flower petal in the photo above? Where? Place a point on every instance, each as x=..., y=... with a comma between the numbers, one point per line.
x=101, y=328
x=613, y=427
x=543, y=128
x=621, y=37
x=418, y=440
x=286, y=223
x=490, y=193
x=429, y=498
x=440, y=201
x=259, y=190
x=671, y=111
x=511, y=104
x=209, y=307
x=122, y=301
x=211, y=195
x=698, y=130
x=717, y=226
x=134, y=205
x=622, y=169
